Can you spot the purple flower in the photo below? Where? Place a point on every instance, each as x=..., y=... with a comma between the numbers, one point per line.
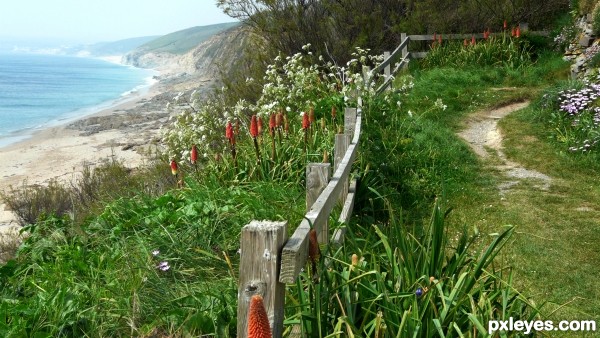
x=419, y=292
x=163, y=266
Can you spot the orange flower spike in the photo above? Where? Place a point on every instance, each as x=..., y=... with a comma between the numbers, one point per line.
x=260, y=125
x=253, y=127
x=305, y=121
x=440, y=39
x=272, y=124
x=333, y=112
x=465, y=43
x=258, y=321
x=473, y=40
x=272, y=121
x=194, y=154
x=504, y=26
x=518, y=32
x=279, y=119
x=229, y=132
x=174, y=167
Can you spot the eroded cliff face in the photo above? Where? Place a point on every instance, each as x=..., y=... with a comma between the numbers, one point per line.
x=199, y=65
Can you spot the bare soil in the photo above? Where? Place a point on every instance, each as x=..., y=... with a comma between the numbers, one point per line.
x=485, y=138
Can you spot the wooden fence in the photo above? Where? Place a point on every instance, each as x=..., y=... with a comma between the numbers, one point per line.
x=524, y=28
x=269, y=259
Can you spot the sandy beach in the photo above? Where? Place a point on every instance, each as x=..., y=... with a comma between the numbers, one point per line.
x=123, y=131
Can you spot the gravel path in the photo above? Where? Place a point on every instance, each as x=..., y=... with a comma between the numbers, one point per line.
x=484, y=137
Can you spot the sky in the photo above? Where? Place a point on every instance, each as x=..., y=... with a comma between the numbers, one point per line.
x=103, y=20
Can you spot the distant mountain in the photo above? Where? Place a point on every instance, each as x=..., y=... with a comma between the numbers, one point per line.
x=183, y=41
x=120, y=47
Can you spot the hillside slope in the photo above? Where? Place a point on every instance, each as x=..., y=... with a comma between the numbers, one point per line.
x=197, y=69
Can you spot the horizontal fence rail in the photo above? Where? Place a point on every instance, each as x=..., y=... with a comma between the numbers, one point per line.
x=478, y=36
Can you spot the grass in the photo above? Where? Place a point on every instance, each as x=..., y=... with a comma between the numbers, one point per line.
x=144, y=265
x=185, y=40
x=561, y=232
x=556, y=231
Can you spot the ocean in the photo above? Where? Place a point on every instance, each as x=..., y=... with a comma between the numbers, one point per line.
x=38, y=91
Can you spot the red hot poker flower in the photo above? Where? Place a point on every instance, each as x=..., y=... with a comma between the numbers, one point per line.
x=504, y=26
x=272, y=121
x=258, y=321
x=518, y=32
x=194, y=154
x=473, y=40
x=174, y=167
x=305, y=121
x=260, y=125
x=333, y=111
x=229, y=132
x=253, y=126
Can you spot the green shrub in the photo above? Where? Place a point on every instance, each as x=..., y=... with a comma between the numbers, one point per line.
x=500, y=50
x=30, y=202
x=596, y=18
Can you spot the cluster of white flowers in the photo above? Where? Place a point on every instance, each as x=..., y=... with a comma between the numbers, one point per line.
x=292, y=84
x=440, y=104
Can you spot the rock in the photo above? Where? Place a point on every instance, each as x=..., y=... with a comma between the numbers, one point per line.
x=585, y=41
x=128, y=146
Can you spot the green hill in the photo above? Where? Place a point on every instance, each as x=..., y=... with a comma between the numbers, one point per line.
x=185, y=40
x=119, y=47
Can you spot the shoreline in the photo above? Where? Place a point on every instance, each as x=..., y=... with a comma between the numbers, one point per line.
x=116, y=129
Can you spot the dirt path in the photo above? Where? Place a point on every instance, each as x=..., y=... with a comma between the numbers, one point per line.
x=484, y=137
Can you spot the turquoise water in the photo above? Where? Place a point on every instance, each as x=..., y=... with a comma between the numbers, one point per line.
x=37, y=91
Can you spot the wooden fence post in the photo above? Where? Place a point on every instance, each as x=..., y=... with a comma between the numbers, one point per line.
x=342, y=142
x=317, y=178
x=387, y=71
x=261, y=244
x=349, y=121
x=405, y=49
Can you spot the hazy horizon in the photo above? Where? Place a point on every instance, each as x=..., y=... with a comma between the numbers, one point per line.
x=72, y=21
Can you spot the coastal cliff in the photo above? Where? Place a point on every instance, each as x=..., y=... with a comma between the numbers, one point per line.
x=190, y=67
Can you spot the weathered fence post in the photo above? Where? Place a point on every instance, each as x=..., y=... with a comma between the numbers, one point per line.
x=405, y=49
x=261, y=243
x=349, y=121
x=342, y=142
x=317, y=178
x=387, y=71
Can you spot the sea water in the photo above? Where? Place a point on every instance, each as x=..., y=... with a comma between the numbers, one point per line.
x=38, y=90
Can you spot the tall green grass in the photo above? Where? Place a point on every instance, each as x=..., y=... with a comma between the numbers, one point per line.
x=108, y=277
x=390, y=280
